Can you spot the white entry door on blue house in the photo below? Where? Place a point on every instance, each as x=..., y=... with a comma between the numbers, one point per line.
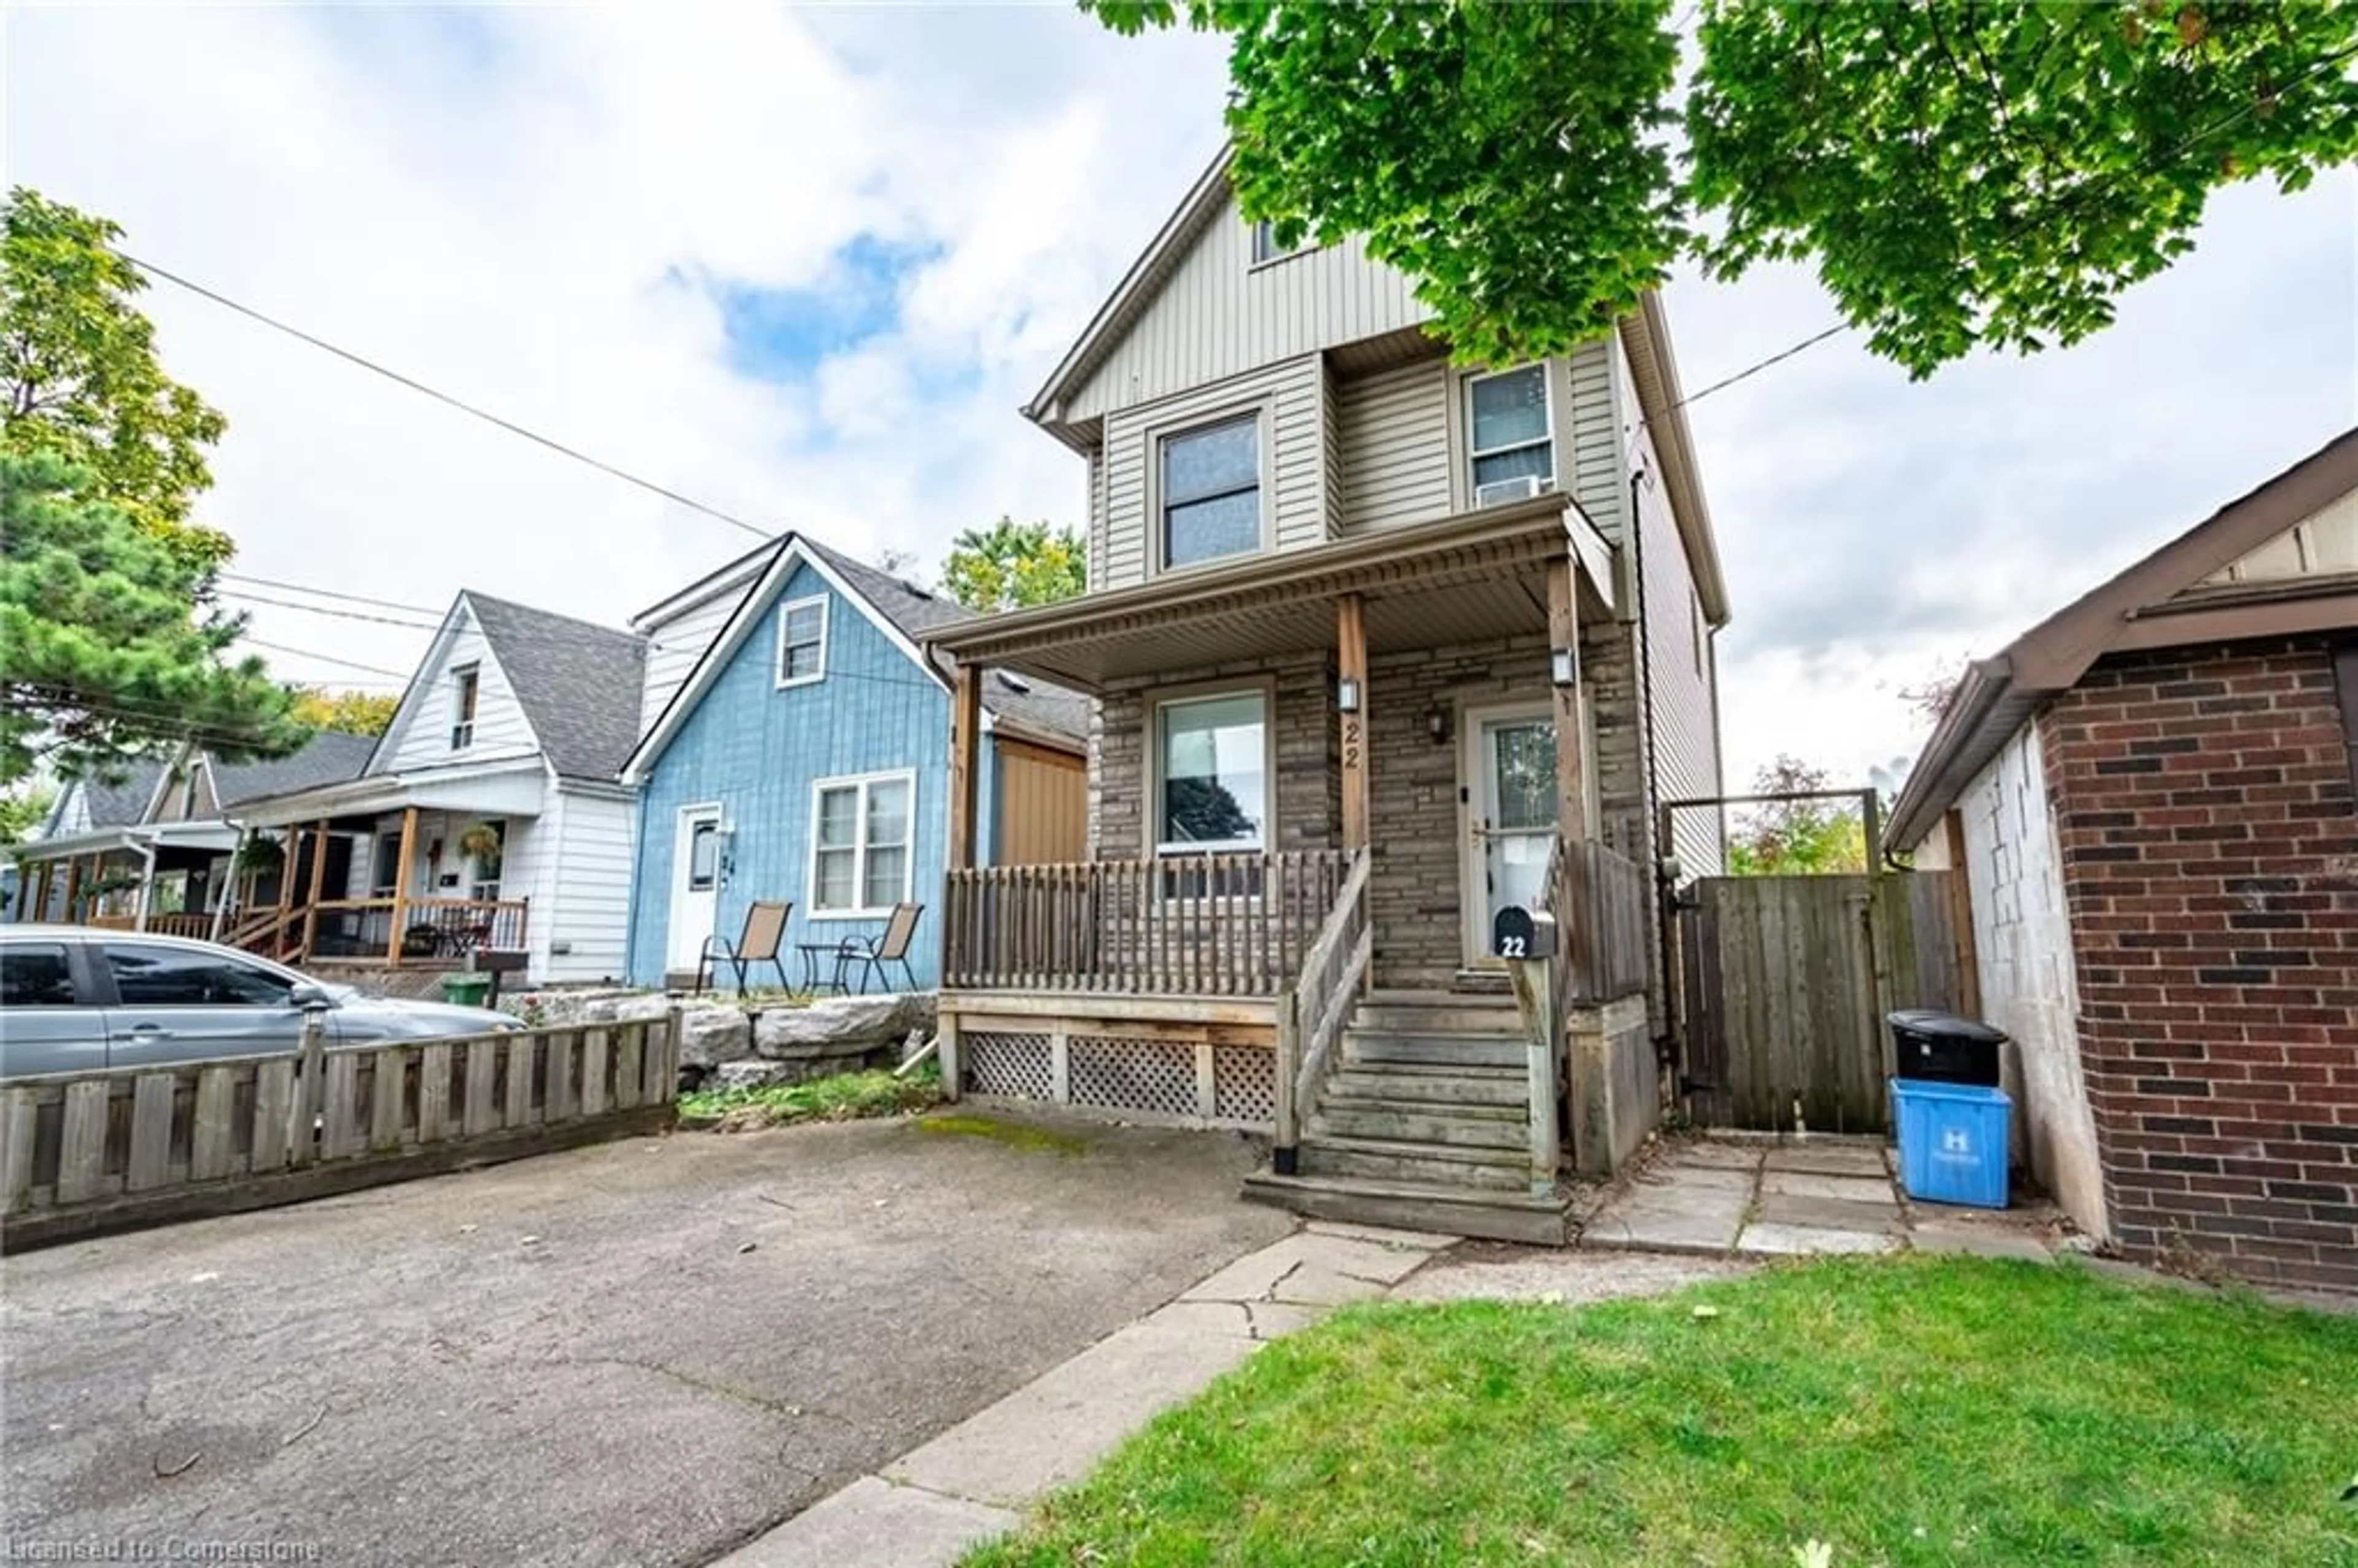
x=695, y=884
x=1510, y=785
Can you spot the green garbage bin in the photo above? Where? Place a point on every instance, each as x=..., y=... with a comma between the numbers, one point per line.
x=466, y=990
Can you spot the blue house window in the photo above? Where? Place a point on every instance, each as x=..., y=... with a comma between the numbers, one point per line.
x=802, y=640
x=861, y=844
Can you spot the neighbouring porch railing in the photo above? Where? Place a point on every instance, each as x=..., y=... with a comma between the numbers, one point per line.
x=1312, y=1013
x=413, y=930
x=1598, y=898
x=174, y=924
x=1239, y=924
x=81, y=1152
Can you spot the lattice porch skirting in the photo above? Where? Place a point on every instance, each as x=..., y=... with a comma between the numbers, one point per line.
x=1193, y=1083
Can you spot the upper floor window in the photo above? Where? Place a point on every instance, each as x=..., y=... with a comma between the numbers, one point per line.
x=1509, y=434
x=802, y=640
x=1211, y=491
x=466, y=685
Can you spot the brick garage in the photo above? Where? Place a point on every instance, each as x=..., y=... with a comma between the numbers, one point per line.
x=2209, y=848
x=2153, y=797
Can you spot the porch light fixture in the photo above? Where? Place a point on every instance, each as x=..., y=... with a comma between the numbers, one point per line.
x=1346, y=694
x=1436, y=724
x=1564, y=667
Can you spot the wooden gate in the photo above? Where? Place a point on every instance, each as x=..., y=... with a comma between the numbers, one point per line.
x=1785, y=982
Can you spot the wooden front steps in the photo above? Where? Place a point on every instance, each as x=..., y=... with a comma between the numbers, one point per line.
x=1424, y=1124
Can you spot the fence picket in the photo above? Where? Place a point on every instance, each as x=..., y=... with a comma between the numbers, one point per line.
x=151, y=1132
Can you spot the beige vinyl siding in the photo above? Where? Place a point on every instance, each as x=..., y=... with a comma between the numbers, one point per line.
x=1683, y=715
x=1294, y=477
x=674, y=646
x=1330, y=453
x=1096, y=536
x=2323, y=545
x=1218, y=316
x=1592, y=426
x=1394, y=446
x=501, y=731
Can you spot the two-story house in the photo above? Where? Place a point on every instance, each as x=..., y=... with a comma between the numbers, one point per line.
x=1383, y=647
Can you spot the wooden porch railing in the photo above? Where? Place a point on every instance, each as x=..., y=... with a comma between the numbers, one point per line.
x=177, y=924
x=1313, y=1012
x=430, y=929
x=1199, y=926
x=1598, y=899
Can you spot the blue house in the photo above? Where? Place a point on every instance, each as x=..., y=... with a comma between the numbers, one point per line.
x=796, y=750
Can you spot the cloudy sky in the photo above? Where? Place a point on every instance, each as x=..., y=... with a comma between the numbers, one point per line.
x=804, y=265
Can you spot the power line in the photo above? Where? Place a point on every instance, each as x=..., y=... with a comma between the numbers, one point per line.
x=333, y=615
x=414, y=384
x=1779, y=357
x=331, y=593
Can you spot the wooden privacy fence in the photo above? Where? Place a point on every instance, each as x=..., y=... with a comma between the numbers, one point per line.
x=1182, y=925
x=1784, y=985
x=1598, y=899
x=85, y=1153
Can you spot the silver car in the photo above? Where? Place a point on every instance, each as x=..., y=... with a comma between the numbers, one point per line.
x=75, y=999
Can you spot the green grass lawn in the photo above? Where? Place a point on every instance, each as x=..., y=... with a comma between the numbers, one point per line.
x=841, y=1097
x=1909, y=1410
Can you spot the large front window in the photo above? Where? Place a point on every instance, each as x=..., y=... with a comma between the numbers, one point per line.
x=1211, y=491
x=861, y=860
x=1507, y=418
x=1212, y=778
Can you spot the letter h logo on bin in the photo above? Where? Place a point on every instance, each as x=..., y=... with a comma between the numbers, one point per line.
x=1957, y=1141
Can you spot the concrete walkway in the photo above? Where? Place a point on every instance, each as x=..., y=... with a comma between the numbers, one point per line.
x=1762, y=1199
x=973, y=1481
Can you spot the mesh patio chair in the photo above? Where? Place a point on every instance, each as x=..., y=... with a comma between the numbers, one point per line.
x=872, y=953
x=758, y=943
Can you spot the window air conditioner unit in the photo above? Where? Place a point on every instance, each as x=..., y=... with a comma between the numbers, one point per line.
x=1498, y=493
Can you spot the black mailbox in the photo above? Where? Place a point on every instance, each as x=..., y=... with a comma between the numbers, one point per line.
x=1517, y=932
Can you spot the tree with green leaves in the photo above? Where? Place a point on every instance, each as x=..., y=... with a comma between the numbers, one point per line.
x=1014, y=565
x=113, y=649
x=1795, y=836
x=23, y=809
x=1961, y=174
x=80, y=378
x=350, y=712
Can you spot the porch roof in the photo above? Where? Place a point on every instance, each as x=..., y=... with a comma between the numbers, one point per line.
x=216, y=836
x=512, y=788
x=1464, y=578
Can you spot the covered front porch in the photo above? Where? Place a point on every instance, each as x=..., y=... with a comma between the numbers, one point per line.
x=1317, y=775
x=172, y=878
x=387, y=873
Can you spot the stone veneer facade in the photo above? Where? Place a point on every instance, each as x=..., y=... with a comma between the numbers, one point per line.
x=1415, y=826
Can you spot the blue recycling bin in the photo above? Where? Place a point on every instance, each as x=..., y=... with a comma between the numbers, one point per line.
x=1952, y=1141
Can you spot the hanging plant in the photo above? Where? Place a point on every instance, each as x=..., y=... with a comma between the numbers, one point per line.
x=480, y=842
x=261, y=856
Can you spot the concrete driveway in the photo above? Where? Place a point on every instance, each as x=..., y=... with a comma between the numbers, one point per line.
x=645, y=1352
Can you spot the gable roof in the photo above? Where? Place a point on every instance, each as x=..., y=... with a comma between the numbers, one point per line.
x=121, y=803
x=2167, y=600
x=329, y=757
x=902, y=611
x=577, y=682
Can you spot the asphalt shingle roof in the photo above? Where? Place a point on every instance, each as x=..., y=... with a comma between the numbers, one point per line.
x=917, y=611
x=578, y=683
x=329, y=757
x=120, y=804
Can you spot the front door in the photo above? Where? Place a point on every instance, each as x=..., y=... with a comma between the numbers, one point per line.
x=1510, y=796
x=695, y=884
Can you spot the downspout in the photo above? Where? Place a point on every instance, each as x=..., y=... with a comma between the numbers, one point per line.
x=147, y=883
x=1663, y=1036
x=229, y=883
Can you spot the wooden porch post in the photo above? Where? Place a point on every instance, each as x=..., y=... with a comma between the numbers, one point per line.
x=401, y=884
x=147, y=885
x=45, y=875
x=73, y=889
x=1351, y=669
x=290, y=853
x=966, y=735
x=319, y=880
x=1564, y=631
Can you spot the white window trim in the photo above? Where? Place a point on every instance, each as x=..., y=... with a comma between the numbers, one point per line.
x=785, y=612
x=1254, y=258
x=458, y=678
x=1158, y=519
x=1474, y=454
x=862, y=783
x=1156, y=848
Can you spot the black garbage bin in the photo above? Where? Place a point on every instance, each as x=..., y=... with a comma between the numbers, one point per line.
x=1941, y=1048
